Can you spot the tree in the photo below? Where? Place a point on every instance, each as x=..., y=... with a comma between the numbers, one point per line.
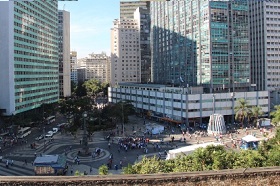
x=93, y=87
x=103, y=170
x=242, y=111
x=74, y=86
x=276, y=116
x=80, y=91
x=212, y=158
x=256, y=113
x=122, y=110
x=104, y=87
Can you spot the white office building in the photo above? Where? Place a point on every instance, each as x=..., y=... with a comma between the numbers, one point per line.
x=125, y=52
x=184, y=105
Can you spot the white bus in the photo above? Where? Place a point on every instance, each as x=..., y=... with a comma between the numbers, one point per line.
x=23, y=132
x=50, y=120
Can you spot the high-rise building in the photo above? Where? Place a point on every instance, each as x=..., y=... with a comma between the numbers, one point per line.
x=125, y=52
x=73, y=62
x=265, y=51
x=142, y=16
x=28, y=55
x=128, y=7
x=201, y=42
x=64, y=53
x=97, y=67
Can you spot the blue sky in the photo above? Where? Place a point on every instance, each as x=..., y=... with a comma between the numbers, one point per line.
x=90, y=24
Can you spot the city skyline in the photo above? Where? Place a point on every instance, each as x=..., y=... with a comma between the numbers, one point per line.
x=90, y=25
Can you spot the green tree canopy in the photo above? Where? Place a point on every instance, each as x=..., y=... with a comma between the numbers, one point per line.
x=276, y=116
x=93, y=87
x=256, y=112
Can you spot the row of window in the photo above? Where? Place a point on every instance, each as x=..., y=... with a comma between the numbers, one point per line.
x=42, y=96
x=37, y=84
x=36, y=104
x=39, y=9
x=51, y=44
x=54, y=79
x=35, y=91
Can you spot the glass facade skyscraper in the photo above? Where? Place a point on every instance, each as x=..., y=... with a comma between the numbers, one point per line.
x=201, y=42
x=29, y=60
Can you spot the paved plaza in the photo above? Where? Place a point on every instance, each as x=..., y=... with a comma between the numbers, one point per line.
x=70, y=146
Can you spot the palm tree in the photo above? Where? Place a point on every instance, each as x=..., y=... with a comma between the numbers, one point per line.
x=276, y=116
x=256, y=113
x=242, y=111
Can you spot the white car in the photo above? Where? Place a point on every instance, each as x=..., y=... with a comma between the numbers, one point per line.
x=39, y=138
x=55, y=130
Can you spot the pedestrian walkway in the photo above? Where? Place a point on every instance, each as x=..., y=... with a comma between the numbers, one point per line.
x=20, y=169
x=17, y=169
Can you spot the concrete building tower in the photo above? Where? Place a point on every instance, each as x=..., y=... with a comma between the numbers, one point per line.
x=28, y=55
x=201, y=42
x=73, y=62
x=128, y=7
x=64, y=53
x=96, y=66
x=265, y=50
x=125, y=52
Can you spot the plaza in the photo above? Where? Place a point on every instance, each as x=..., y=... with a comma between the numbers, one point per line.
x=68, y=145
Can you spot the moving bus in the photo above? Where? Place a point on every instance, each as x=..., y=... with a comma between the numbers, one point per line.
x=50, y=120
x=23, y=132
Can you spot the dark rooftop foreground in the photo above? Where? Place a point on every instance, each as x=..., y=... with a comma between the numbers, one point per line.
x=237, y=177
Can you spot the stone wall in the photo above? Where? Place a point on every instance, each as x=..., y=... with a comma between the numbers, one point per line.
x=237, y=177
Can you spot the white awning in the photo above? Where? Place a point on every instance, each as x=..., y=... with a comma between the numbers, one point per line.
x=250, y=138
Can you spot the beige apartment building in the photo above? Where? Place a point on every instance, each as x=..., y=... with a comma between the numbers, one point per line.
x=97, y=66
x=73, y=63
x=125, y=52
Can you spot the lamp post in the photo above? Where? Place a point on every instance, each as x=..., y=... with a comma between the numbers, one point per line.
x=122, y=120
x=85, y=139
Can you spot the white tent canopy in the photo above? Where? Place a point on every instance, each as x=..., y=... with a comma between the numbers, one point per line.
x=154, y=128
x=188, y=149
x=250, y=138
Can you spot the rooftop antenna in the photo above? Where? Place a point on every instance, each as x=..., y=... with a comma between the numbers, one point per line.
x=64, y=7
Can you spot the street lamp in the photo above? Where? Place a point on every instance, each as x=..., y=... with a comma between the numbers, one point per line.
x=85, y=141
x=122, y=119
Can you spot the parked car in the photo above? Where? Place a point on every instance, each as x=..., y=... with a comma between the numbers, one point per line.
x=39, y=138
x=49, y=135
x=55, y=130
